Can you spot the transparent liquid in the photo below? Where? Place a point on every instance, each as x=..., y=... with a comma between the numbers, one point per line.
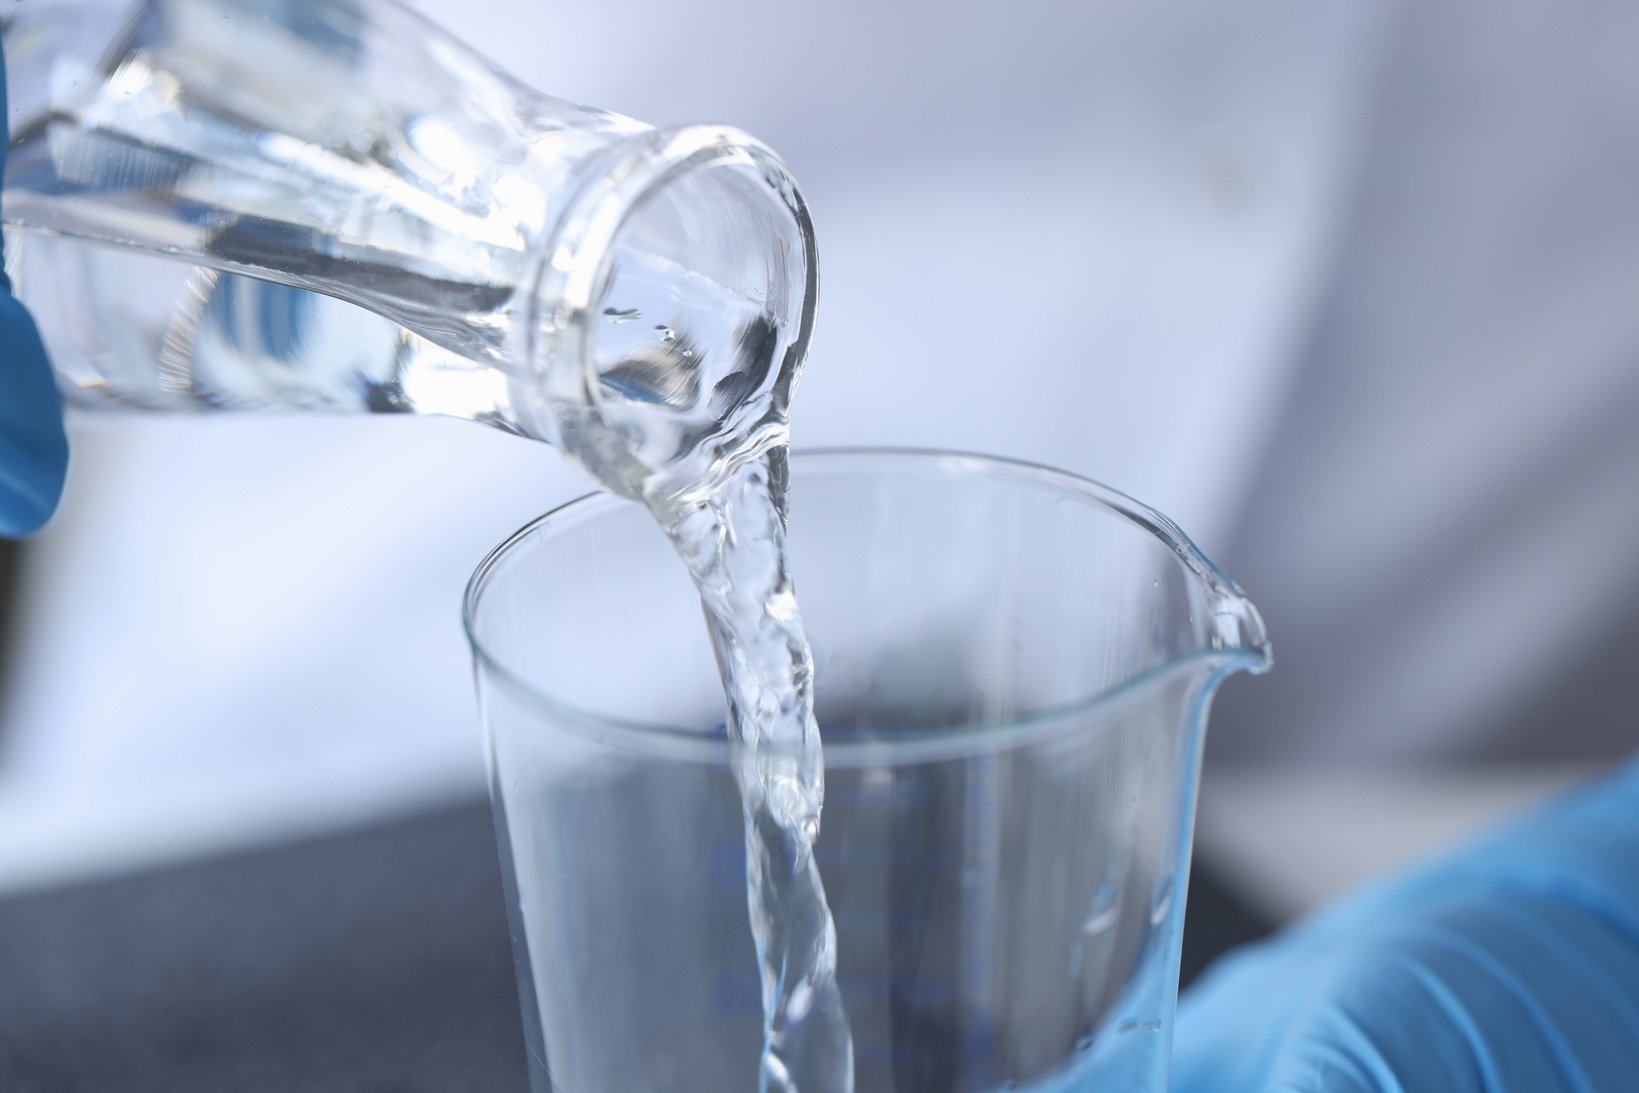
x=722, y=500
x=732, y=541
x=674, y=356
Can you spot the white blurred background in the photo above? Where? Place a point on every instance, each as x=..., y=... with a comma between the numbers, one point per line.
x=1345, y=289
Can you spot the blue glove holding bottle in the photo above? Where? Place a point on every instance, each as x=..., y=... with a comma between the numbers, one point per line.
x=1509, y=967
x=33, y=447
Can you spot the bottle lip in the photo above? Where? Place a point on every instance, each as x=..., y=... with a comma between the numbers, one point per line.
x=557, y=373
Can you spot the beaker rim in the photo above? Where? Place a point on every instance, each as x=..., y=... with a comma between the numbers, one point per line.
x=1240, y=644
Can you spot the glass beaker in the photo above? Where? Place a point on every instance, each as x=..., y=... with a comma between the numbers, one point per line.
x=335, y=205
x=1013, y=668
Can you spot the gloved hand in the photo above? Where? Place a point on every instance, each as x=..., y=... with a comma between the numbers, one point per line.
x=1510, y=966
x=33, y=447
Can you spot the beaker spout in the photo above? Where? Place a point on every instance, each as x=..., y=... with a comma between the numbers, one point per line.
x=1238, y=629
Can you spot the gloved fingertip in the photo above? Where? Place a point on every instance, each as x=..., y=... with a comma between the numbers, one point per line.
x=33, y=443
x=23, y=513
x=31, y=486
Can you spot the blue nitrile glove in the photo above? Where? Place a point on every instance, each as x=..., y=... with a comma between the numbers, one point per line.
x=1510, y=967
x=33, y=447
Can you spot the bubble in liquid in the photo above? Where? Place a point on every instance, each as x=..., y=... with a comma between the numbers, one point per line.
x=1162, y=903
x=801, y=997
x=621, y=315
x=1101, y=916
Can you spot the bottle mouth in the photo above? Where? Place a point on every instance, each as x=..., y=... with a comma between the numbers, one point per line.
x=674, y=307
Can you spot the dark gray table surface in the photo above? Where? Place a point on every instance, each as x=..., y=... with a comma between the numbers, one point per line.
x=373, y=961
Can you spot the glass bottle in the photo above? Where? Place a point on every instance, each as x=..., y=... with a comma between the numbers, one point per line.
x=334, y=205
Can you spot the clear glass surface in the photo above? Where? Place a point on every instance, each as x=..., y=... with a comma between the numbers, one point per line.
x=1013, y=670
x=335, y=205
